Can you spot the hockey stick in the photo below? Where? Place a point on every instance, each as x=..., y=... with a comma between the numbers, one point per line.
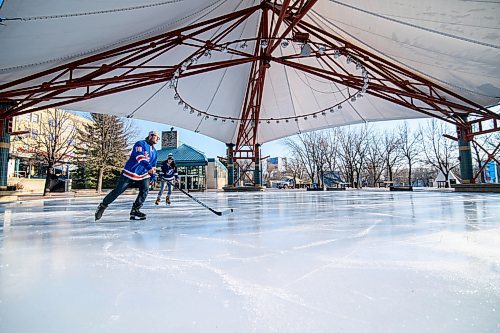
x=201, y=203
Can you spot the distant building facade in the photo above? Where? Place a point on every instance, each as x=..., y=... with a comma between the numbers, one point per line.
x=24, y=162
x=196, y=172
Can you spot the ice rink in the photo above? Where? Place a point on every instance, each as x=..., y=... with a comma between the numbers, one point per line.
x=284, y=261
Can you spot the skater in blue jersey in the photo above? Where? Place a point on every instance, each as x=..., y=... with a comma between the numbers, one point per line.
x=167, y=177
x=140, y=169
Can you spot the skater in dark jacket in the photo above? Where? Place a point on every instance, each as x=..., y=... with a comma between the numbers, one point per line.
x=140, y=169
x=167, y=177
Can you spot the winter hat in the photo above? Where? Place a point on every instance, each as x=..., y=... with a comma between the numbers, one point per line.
x=170, y=155
x=154, y=133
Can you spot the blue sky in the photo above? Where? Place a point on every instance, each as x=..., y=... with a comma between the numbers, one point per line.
x=214, y=148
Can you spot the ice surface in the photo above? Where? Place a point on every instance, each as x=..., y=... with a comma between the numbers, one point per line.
x=287, y=261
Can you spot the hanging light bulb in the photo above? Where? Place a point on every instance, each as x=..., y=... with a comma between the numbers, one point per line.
x=323, y=113
x=306, y=50
x=315, y=116
x=360, y=95
x=268, y=121
x=176, y=97
x=184, y=65
x=284, y=43
x=244, y=45
x=358, y=66
x=286, y=120
x=208, y=54
x=180, y=102
x=194, y=60
x=277, y=121
x=353, y=99
x=339, y=107
x=224, y=48
x=336, y=54
x=223, y=120
x=186, y=107
x=305, y=118
x=232, y=120
x=332, y=110
x=207, y=117
x=321, y=49
x=192, y=111
x=215, y=119
x=263, y=43
x=349, y=60
x=199, y=114
x=296, y=119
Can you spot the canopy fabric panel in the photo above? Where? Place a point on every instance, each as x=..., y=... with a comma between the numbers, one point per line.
x=455, y=45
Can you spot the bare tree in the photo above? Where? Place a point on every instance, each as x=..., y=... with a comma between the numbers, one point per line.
x=352, y=153
x=295, y=168
x=303, y=149
x=331, y=151
x=54, y=143
x=410, y=148
x=439, y=151
x=375, y=161
x=392, y=154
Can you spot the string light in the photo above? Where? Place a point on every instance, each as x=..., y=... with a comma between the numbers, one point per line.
x=321, y=49
x=172, y=84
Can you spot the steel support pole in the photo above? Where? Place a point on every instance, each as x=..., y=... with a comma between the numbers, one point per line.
x=4, y=145
x=257, y=179
x=465, y=154
x=230, y=164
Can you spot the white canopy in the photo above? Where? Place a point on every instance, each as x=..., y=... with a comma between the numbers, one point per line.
x=455, y=44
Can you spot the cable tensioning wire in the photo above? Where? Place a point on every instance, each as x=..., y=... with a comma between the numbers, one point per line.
x=98, y=12
x=395, y=60
x=417, y=26
x=125, y=40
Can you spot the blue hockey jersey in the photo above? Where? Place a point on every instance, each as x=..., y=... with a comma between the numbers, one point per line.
x=168, y=173
x=142, y=159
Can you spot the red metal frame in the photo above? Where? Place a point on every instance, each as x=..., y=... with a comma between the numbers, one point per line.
x=129, y=67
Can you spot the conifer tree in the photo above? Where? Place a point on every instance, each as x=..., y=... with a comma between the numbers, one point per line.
x=103, y=146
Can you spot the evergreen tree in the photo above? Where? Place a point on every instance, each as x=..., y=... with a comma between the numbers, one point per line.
x=103, y=149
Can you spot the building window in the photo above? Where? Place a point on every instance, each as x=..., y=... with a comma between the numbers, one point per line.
x=35, y=118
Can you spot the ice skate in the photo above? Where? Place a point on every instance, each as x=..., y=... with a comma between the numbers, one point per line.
x=167, y=199
x=100, y=210
x=157, y=202
x=136, y=214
